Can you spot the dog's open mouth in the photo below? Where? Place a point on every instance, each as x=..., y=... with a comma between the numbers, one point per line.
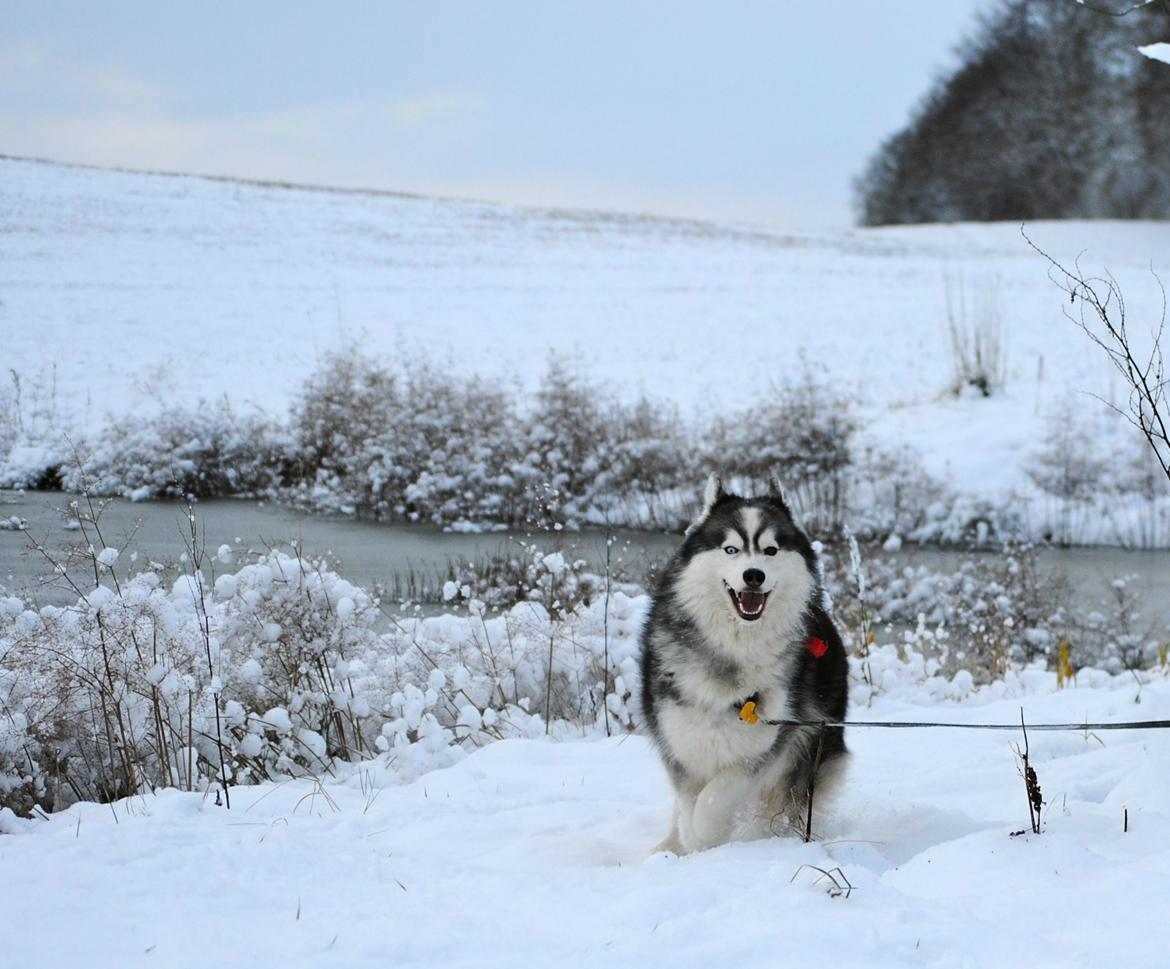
x=749, y=604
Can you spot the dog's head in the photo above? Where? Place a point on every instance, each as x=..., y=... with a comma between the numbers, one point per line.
x=745, y=562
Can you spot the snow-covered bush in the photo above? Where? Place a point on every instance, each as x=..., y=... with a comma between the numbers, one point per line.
x=564, y=447
x=418, y=443
x=1114, y=636
x=298, y=645
x=346, y=403
x=9, y=421
x=1070, y=469
x=111, y=692
x=32, y=448
x=117, y=693
x=992, y=611
x=1099, y=480
x=411, y=441
x=36, y=466
x=586, y=457
x=449, y=455
x=892, y=499
x=649, y=469
x=569, y=668
x=523, y=573
x=415, y=443
x=802, y=434
x=24, y=768
x=205, y=452
x=279, y=668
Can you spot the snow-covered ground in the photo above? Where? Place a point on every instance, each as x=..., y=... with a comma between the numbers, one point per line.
x=123, y=291
x=534, y=853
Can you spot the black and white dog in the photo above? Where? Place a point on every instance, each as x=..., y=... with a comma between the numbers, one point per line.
x=738, y=617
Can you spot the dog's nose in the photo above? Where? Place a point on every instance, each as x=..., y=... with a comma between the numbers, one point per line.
x=754, y=578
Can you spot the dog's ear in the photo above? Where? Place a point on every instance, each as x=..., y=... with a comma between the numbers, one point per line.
x=712, y=493
x=777, y=495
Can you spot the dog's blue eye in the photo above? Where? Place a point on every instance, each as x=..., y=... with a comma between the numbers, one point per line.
x=771, y=550
x=731, y=550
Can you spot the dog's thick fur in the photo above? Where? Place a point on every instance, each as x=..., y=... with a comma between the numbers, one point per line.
x=732, y=619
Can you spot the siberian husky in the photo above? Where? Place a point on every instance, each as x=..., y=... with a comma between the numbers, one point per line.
x=737, y=619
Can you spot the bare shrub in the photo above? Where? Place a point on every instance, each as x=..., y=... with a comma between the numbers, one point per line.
x=1101, y=482
x=975, y=335
x=1142, y=519
x=10, y=421
x=891, y=495
x=32, y=447
x=1138, y=360
x=1070, y=469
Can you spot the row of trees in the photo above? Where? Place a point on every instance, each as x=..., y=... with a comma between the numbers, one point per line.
x=1051, y=114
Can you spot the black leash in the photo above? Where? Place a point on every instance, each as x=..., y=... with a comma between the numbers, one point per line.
x=910, y=724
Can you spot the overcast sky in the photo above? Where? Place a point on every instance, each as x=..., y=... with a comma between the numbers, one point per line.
x=756, y=112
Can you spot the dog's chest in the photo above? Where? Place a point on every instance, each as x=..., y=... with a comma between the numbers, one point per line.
x=719, y=681
x=704, y=731
x=706, y=741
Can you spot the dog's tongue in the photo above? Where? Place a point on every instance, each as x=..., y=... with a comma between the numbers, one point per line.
x=751, y=602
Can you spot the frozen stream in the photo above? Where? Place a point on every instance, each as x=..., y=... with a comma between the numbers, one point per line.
x=379, y=555
x=375, y=555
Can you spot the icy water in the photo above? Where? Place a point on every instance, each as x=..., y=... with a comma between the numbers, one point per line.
x=389, y=556
x=375, y=555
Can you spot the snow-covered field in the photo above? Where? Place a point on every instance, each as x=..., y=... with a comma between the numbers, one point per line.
x=122, y=291
x=531, y=853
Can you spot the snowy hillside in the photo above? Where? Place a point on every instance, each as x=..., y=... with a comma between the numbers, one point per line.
x=123, y=292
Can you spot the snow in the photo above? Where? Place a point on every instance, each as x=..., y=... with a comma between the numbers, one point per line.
x=278, y=719
x=113, y=285
x=532, y=852
x=1157, y=52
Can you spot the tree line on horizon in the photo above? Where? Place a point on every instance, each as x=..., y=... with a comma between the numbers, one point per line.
x=1052, y=113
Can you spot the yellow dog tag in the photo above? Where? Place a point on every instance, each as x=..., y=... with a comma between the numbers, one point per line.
x=747, y=713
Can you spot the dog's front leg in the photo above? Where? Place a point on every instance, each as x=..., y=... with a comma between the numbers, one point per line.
x=681, y=838
x=672, y=842
x=718, y=803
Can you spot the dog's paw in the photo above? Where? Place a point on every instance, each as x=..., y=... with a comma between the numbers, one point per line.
x=670, y=845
